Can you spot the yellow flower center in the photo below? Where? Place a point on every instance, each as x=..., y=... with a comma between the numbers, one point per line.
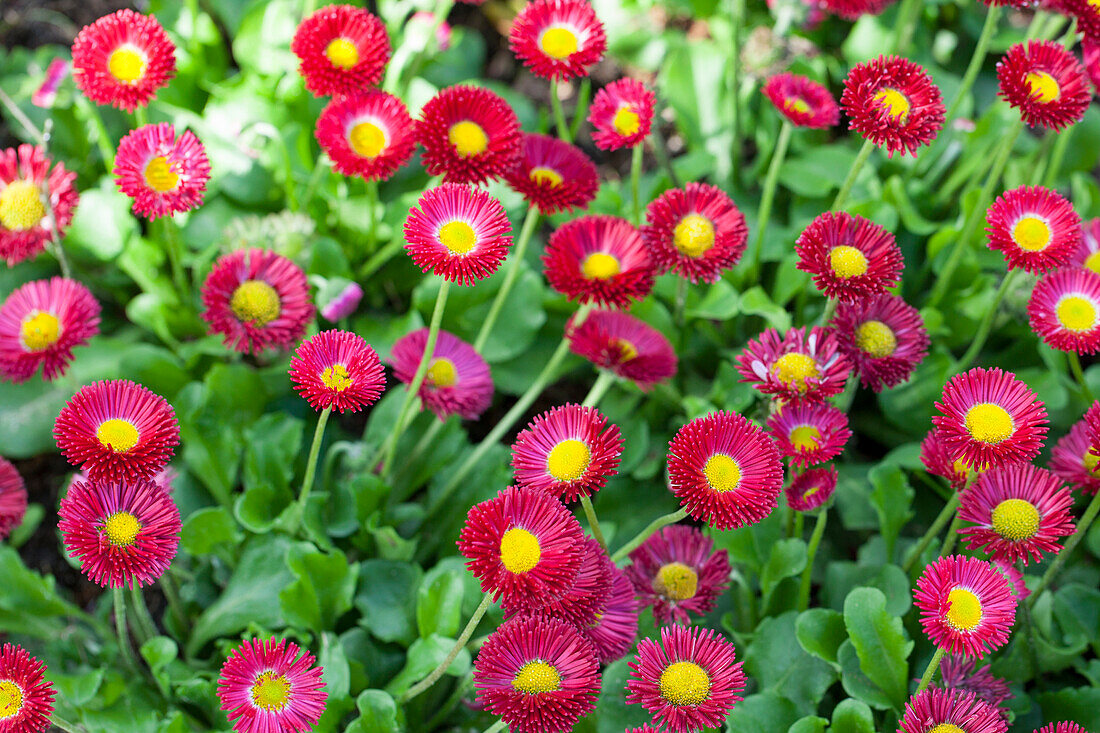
x=847, y=262
x=558, y=43
x=568, y=460
x=1076, y=314
x=964, y=611
x=40, y=331
x=126, y=65
x=1032, y=234
x=684, y=683
x=1093, y=262
x=117, y=434
x=600, y=266
x=1042, y=86
x=535, y=677
x=626, y=121
x=519, y=550
x=270, y=691
x=796, y=104
x=694, y=235
x=11, y=699
x=627, y=350
x=367, y=140
x=894, y=103
x=336, y=377
x=468, y=138
x=811, y=491
x=876, y=338
x=676, y=581
x=458, y=237
x=342, y=52
x=794, y=369
x=255, y=302
x=21, y=206
x=1015, y=519
x=442, y=373
x=805, y=437
x=159, y=175
x=989, y=423
x=544, y=176
x=121, y=529
x=1091, y=462
x=722, y=473
x=961, y=466
x=947, y=728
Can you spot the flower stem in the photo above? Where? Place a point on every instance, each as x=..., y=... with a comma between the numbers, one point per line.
x=460, y=644
x=145, y=626
x=581, y=109
x=1057, y=155
x=1079, y=375
x=171, y=594
x=530, y=223
x=635, y=180
x=559, y=113
x=120, y=627
x=496, y=727
x=986, y=323
x=811, y=551
x=102, y=137
x=66, y=726
x=599, y=389
x=933, y=532
x=930, y=671
x=372, y=215
x=654, y=526
x=992, y=15
x=1077, y=536
x=768, y=197
x=319, y=169
x=311, y=464
x=907, y=17
x=175, y=258
x=952, y=536
x=1029, y=630
x=853, y=173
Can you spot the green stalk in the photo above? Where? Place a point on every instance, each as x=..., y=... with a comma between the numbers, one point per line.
x=145, y=626
x=141, y=116
x=174, y=248
x=660, y=150
x=496, y=727
x=559, y=113
x=651, y=528
x=460, y=643
x=930, y=671
x=1057, y=155
x=829, y=311
x=933, y=532
x=1079, y=375
x=311, y=463
x=530, y=223
x=581, y=109
x=635, y=180
x=120, y=628
x=599, y=389
x=811, y=552
x=986, y=323
x=171, y=594
x=319, y=169
x=102, y=137
x=65, y=725
x=853, y=173
x=372, y=214
x=992, y=15
x=1060, y=559
x=908, y=15
x=768, y=197
x=1029, y=630
x=952, y=536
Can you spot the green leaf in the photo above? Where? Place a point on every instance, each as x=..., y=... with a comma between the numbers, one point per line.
x=76, y=689
x=439, y=602
x=765, y=711
x=613, y=714
x=880, y=642
x=207, y=529
x=892, y=497
x=334, y=662
x=386, y=598
x=788, y=558
x=323, y=590
x=756, y=302
x=852, y=716
x=378, y=713
x=101, y=224
x=821, y=631
x=1081, y=705
x=272, y=444
x=857, y=684
x=424, y=656
x=809, y=724
x=29, y=600
x=779, y=664
x=720, y=303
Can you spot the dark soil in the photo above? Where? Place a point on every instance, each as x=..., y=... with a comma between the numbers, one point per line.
x=34, y=23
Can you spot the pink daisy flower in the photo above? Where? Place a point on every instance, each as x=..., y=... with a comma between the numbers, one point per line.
x=553, y=175
x=811, y=489
x=1045, y=82
x=46, y=94
x=26, y=179
x=802, y=101
x=24, y=688
x=341, y=50
x=796, y=367
x=696, y=231
x=613, y=632
x=947, y=710
x=469, y=135
x=13, y=499
x=40, y=325
x=625, y=345
x=1064, y=310
x=849, y=258
x=892, y=102
x=368, y=134
x=584, y=599
x=809, y=434
x=122, y=59
x=344, y=304
x=966, y=606
x=1087, y=254
x=1014, y=577
x=458, y=380
x=621, y=114
x=599, y=259
x=1073, y=460
x=458, y=232
x=854, y=9
x=939, y=460
x=1067, y=726
x=962, y=674
x=558, y=39
x=337, y=369
x=267, y=686
x=1035, y=228
x=884, y=337
x=162, y=173
x=678, y=573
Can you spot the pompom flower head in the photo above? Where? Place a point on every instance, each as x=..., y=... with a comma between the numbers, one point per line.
x=804, y=102
x=26, y=696
x=553, y=175
x=584, y=599
x=163, y=174
x=613, y=633
x=1064, y=310
x=558, y=39
x=568, y=452
x=337, y=369
x=1074, y=461
x=624, y=345
x=854, y=9
x=40, y=325
x=13, y=499
x=678, y=573
x=1034, y=227
x=539, y=675
x=959, y=673
x=811, y=489
x=458, y=380
x=809, y=434
x=621, y=114
x=1066, y=726
x=341, y=50
x=469, y=135
x=966, y=606
x=1087, y=254
x=599, y=259
x=688, y=681
x=697, y=231
x=368, y=134
x=344, y=304
x=117, y=429
x=1045, y=82
x=124, y=532
x=893, y=103
x=884, y=337
x=947, y=711
x=849, y=257
x=267, y=685
x=940, y=460
x=725, y=470
x=257, y=300
x=796, y=367
x=26, y=178
x=122, y=60
x=458, y=232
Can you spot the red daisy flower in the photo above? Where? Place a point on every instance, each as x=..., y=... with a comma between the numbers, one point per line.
x=809, y=434
x=939, y=460
x=990, y=418
x=949, y=710
x=256, y=299
x=458, y=232
x=163, y=174
x=341, y=50
x=725, y=470
x=850, y=258
x=678, y=573
x=458, y=380
x=46, y=94
x=892, y=102
x=1035, y=228
x=796, y=367
x=267, y=686
x=40, y=325
x=967, y=607
x=568, y=452
x=959, y=673
x=1045, y=82
x=1090, y=55
x=337, y=369
x=1087, y=253
x=13, y=500
x=558, y=39
x=538, y=674
x=855, y=9
x=117, y=429
x=553, y=175
x=125, y=532
x=884, y=337
x=1014, y=577
x=26, y=694
x=621, y=114
x=26, y=179
x=1067, y=726
x=697, y=231
x=1088, y=19
x=1092, y=420
x=1065, y=310
x=1020, y=512
x=625, y=345
x=368, y=134
x=688, y=681
x=802, y=101
x=584, y=600
x=613, y=633
x=122, y=60
x=811, y=489
x=469, y=134
x=523, y=545
x=1073, y=460
x=599, y=259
